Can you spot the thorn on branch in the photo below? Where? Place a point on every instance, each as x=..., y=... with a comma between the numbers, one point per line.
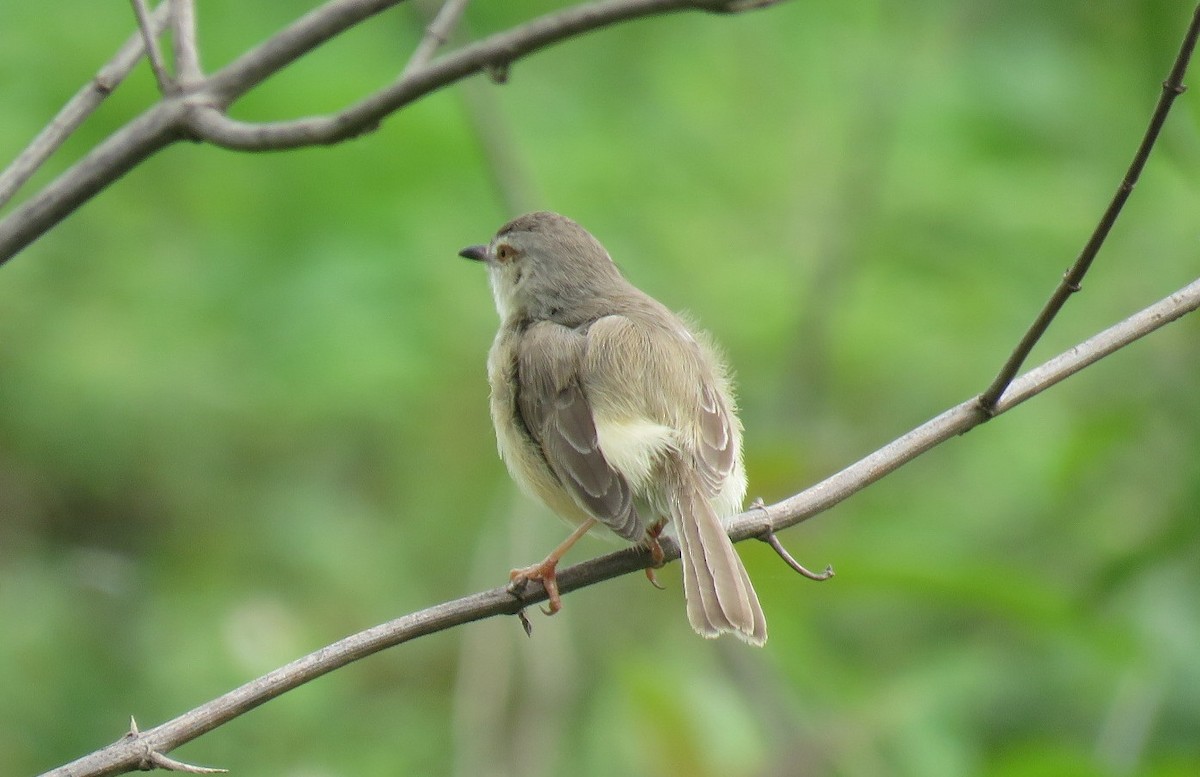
x=525, y=622
x=152, y=759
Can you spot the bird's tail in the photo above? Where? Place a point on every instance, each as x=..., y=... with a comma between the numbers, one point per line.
x=720, y=598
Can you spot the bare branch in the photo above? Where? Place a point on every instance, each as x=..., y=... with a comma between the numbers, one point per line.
x=1073, y=278
x=187, y=52
x=323, y=23
x=77, y=109
x=210, y=124
x=496, y=51
x=773, y=540
x=121, y=152
x=197, y=115
x=436, y=34
x=289, y=44
x=165, y=84
x=759, y=522
x=152, y=759
x=967, y=415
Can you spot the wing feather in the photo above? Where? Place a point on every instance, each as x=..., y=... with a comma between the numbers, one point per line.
x=556, y=411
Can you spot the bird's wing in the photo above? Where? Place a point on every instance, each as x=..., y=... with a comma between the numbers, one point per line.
x=555, y=409
x=685, y=390
x=716, y=445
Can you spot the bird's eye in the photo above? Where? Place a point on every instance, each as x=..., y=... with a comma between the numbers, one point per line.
x=505, y=252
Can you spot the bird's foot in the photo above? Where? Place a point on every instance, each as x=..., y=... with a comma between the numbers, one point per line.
x=546, y=573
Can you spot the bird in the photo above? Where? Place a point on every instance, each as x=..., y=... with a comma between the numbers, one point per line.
x=615, y=412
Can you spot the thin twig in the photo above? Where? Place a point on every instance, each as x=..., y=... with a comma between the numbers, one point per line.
x=437, y=33
x=329, y=20
x=967, y=415
x=197, y=115
x=187, y=52
x=773, y=540
x=78, y=108
x=124, y=755
x=165, y=85
x=496, y=51
x=289, y=44
x=107, y=162
x=1073, y=279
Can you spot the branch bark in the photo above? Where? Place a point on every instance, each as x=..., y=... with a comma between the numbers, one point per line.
x=77, y=109
x=187, y=52
x=127, y=753
x=437, y=34
x=198, y=113
x=153, y=52
x=1072, y=280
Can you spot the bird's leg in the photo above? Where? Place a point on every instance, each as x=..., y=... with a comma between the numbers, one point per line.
x=656, y=552
x=546, y=570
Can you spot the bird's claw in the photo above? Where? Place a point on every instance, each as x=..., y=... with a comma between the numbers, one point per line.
x=546, y=574
x=653, y=578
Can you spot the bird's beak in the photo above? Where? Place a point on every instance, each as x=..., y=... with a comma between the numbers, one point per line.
x=478, y=253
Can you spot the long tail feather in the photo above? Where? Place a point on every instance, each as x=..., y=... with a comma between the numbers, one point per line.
x=720, y=597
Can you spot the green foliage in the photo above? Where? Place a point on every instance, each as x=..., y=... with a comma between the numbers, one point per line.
x=243, y=406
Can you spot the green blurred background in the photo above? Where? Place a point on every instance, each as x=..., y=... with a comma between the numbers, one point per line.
x=243, y=404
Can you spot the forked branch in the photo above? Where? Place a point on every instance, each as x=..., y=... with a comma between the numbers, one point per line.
x=1072, y=280
x=77, y=109
x=197, y=112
